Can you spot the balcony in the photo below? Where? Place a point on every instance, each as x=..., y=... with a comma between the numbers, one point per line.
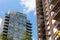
x=43, y=28
x=29, y=32
x=29, y=26
x=6, y=22
x=58, y=26
x=6, y=16
x=56, y=5
x=6, y=19
x=29, y=23
x=5, y=25
x=40, y=25
x=39, y=12
x=57, y=14
x=40, y=36
x=4, y=34
x=5, y=28
x=52, y=1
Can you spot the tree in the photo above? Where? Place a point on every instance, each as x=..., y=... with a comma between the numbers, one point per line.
x=25, y=36
x=4, y=37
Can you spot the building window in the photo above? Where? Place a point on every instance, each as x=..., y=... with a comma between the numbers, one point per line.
x=52, y=13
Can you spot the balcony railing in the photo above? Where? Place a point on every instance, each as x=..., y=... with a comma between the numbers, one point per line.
x=56, y=5
x=56, y=24
x=53, y=1
x=57, y=13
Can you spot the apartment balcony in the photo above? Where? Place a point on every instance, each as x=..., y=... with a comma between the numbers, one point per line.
x=40, y=36
x=39, y=31
x=6, y=19
x=5, y=25
x=29, y=29
x=57, y=25
x=58, y=38
x=4, y=34
x=29, y=23
x=39, y=7
x=4, y=31
x=56, y=4
x=29, y=32
x=40, y=25
x=39, y=2
x=52, y=1
x=6, y=22
x=56, y=16
x=42, y=28
x=5, y=28
x=39, y=12
x=29, y=26
x=6, y=16
x=29, y=38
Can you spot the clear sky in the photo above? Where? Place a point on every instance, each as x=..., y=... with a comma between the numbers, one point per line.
x=24, y=6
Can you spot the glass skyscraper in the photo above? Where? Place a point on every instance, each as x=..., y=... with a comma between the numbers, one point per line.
x=15, y=25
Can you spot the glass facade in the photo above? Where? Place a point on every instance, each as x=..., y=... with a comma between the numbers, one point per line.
x=17, y=25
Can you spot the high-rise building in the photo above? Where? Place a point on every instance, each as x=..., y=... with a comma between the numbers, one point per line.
x=51, y=14
x=40, y=20
x=15, y=26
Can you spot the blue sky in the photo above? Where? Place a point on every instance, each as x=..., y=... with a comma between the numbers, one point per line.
x=24, y=6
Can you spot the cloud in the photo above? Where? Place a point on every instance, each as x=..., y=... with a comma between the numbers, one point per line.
x=0, y=21
x=35, y=12
x=29, y=5
x=0, y=25
x=33, y=39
